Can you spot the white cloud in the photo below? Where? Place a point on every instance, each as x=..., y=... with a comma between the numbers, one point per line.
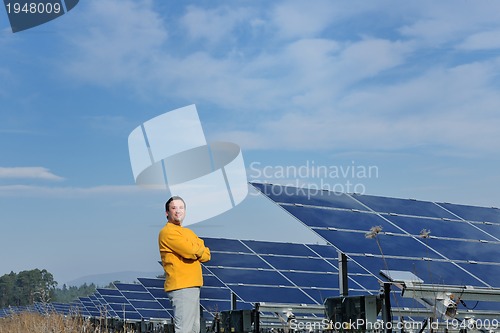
x=487, y=40
x=120, y=42
x=438, y=23
x=214, y=25
x=454, y=109
x=74, y=192
x=28, y=173
x=363, y=90
x=302, y=18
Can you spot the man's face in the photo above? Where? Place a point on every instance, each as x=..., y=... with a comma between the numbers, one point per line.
x=176, y=211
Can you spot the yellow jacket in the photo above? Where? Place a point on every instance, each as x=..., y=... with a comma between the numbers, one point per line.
x=181, y=253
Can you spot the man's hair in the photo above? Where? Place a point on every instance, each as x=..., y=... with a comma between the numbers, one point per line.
x=175, y=197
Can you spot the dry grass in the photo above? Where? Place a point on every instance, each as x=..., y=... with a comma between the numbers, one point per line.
x=50, y=323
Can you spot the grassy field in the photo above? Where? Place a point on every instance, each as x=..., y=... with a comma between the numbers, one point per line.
x=51, y=323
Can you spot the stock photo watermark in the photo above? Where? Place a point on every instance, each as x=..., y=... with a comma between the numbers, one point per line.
x=310, y=178
x=359, y=324
x=26, y=14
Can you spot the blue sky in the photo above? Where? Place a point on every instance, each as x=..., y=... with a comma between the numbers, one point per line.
x=409, y=89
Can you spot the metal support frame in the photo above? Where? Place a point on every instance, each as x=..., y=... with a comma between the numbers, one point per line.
x=386, y=309
x=275, y=315
x=420, y=290
x=441, y=299
x=343, y=279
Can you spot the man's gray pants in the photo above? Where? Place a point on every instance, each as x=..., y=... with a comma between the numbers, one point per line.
x=186, y=305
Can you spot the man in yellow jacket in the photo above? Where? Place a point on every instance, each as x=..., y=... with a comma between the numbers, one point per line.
x=182, y=253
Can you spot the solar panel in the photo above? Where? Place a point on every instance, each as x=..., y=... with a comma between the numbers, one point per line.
x=142, y=301
x=473, y=213
x=103, y=305
x=241, y=260
x=4, y=313
x=453, y=239
x=439, y=228
x=119, y=303
x=155, y=287
x=89, y=306
x=314, y=197
x=255, y=276
x=78, y=308
x=441, y=243
x=316, y=217
x=402, y=206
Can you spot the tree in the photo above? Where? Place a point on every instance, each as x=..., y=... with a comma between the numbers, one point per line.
x=26, y=288
x=7, y=283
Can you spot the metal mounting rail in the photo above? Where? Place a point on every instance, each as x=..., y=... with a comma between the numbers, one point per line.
x=420, y=290
x=294, y=308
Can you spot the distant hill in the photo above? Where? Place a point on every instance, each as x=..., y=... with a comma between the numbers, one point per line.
x=102, y=280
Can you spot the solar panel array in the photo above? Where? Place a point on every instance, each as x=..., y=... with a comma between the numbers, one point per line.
x=441, y=243
x=133, y=302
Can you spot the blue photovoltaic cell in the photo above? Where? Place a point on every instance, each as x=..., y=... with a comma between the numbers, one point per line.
x=403, y=206
x=439, y=228
x=209, y=292
x=250, y=276
x=300, y=264
x=131, y=316
x=120, y=307
x=368, y=282
x=130, y=295
x=283, y=248
x=351, y=242
x=314, y=197
x=165, y=302
x=239, y=260
x=90, y=306
x=317, y=217
x=141, y=304
x=317, y=280
x=324, y=251
x=109, y=292
x=488, y=273
x=115, y=299
x=152, y=282
x=226, y=245
x=102, y=305
x=142, y=300
x=492, y=229
x=211, y=280
x=155, y=288
x=158, y=293
x=473, y=213
x=81, y=310
x=61, y=308
x=255, y=294
x=130, y=287
x=463, y=250
x=431, y=272
x=154, y=314
x=354, y=267
x=126, y=311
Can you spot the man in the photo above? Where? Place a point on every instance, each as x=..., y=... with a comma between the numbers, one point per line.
x=182, y=253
